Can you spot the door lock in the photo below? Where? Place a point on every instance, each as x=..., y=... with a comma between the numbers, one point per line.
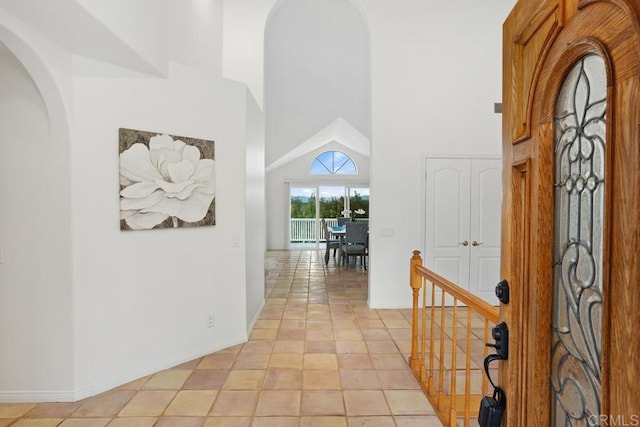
x=502, y=291
x=500, y=334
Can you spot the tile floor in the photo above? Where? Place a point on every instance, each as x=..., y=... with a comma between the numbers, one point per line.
x=317, y=357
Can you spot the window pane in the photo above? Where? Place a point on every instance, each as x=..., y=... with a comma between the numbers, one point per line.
x=303, y=215
x=334, y=163
x=359, y=203
x=578, y=244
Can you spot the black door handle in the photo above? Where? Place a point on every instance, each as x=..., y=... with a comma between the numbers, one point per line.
x=500, y=334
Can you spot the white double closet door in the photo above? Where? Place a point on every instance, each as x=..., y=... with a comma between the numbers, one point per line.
x=463, y=220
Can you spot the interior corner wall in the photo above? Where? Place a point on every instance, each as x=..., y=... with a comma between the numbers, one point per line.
x=255, y=210
x=36, y=360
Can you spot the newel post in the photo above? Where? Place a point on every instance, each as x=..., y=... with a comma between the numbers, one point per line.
x=416, y=284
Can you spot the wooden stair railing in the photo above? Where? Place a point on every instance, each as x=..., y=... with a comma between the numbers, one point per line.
x=450, y=327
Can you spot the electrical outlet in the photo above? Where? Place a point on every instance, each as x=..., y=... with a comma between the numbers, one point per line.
x=211, y=321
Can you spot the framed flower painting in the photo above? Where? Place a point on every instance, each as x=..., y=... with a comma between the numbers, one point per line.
x=166, y=181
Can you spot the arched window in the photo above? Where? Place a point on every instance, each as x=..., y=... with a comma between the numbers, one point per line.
x=333, y=163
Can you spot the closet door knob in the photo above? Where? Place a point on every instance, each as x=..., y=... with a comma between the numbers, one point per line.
x=474, y=243
x=465, y=243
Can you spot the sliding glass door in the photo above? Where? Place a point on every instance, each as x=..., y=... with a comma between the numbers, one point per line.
x=308, y=204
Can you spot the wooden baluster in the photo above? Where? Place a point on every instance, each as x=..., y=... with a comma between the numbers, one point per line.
x=442, y=339
x=431, y=339
x=467, y=381
x=423, y=335
x=454, y=364
x=416, y=283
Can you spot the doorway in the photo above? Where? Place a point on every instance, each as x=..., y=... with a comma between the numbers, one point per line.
x=309, y=204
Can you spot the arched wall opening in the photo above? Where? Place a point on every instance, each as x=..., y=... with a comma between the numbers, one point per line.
x=36, y=309
x=316, y=74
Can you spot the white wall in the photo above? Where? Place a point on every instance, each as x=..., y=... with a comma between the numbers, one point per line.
x=142, y=297
x=35, y=247
x=255, y=210
x=297, y=172
x=436, y=73
x=316, y=71
x=113, y=306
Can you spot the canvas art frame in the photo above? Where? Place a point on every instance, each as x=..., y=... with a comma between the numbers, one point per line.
x=166, y=181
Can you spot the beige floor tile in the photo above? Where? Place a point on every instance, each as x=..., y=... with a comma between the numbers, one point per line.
x=418, y=421
x=206, y=379
x=293, y=324
x=244, y=379
x=228, y=422
x=180, y=422
x=171, y=379
x=135, y=385
x=85, y=422
x=359, y=379
x=4, y=422
x=283, y=379
x=354, y=361
x=217, y=361
x=235, y=403
x=320, y=346
x=147, y=403
x=319, y=324
x=104, y=405
x=251, y=361
x=322, y=403
x=365, y=402
x=15, y=410
x=388, y=361
x=348, y=335
x=54, y=410
x=275, y=422
x=382, y=346
x=321, y=379
x=397, y=379
x=291, y=334
x=262, y=346
x=408, y=402
x=354, y=347
x=371, y=422
x=38, y=422
x=263, y=334
x=286, y=360
x=375, y=334
x=340, y=325
x=323, y=421
x=320, y=361
x=278, y=403
x=286, y=346
x=191, y=403
x=267, y=324
x=133, y=422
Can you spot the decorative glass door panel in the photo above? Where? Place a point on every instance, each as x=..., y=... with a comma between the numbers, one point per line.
x=578, y=244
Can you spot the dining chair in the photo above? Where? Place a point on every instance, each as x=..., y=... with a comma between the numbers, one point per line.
x=342, y=220
x=355, y=243
x=331, y=242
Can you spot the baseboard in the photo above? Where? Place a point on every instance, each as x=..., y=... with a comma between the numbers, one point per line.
x=93, y=389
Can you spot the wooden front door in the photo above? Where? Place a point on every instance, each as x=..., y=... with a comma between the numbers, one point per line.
x=571, y=212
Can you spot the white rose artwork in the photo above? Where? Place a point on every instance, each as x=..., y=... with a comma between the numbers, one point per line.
x=165, y=181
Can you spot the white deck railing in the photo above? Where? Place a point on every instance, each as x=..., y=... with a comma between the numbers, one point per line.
x=303, y=230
